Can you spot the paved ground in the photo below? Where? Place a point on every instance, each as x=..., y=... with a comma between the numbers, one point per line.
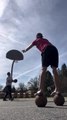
x=25, y=109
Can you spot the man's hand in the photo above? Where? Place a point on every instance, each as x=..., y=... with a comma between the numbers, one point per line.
x=23, y=51
x=28, y=48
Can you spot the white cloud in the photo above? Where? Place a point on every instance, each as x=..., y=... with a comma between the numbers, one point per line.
x=28, y=71
x=19, y=23
x=3, y=4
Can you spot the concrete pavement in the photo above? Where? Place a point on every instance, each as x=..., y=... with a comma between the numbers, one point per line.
x=25, y=109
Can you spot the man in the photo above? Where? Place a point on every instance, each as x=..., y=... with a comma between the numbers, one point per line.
x=49, y=55
x=8, y=87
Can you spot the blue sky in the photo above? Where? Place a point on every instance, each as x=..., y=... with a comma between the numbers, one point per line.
x=20, y=20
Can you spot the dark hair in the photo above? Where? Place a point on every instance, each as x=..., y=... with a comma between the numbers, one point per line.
x=8, y=73
x=39, y=35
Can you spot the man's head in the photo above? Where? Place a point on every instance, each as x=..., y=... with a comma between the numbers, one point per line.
x=39, y=35
x=8, y=73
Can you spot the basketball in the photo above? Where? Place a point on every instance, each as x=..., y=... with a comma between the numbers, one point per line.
x=40, y=101
x=59, y=99
x=15, y=80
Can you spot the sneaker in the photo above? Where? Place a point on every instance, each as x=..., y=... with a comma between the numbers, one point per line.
x=4, y=100
x=54, y=93
x=12, y=99
x=40, y=93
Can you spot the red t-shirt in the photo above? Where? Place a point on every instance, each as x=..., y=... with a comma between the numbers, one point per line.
x=41, y=43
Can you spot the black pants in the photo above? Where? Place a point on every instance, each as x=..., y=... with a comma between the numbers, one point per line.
x=8, y=92
x=50, y=57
